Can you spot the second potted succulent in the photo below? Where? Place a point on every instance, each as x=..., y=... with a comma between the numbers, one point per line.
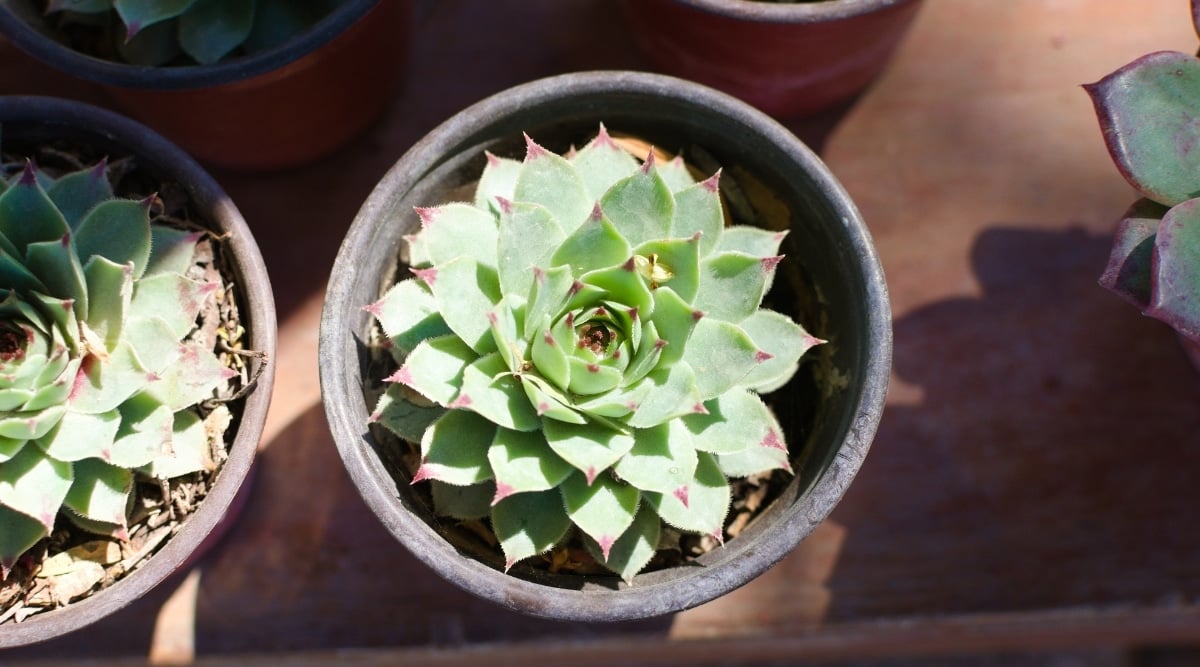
x=563, y=376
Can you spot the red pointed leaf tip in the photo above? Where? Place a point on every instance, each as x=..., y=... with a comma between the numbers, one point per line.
x=374, y=308
x=492, y=160
x=502, y=491
x=426, y=214
x=597, y=213
x=492, y=317
x=779, y=236
x=132, y=29
x=604, y=140
x=539, y=274
x=571, y=315
x=549, y=339
x=682, y=494
x=428, y=276
x=712, y=183
x=100, y=170
x=696, y=237
x=591, y=474
x=403, y=376
x=600, y=312
x=29, y=175
x=719, y=536
x=769, y=263
x=633, y=313
x=423, y=473
x=761, y=356
x=461, y=401
x=629, y=264
x=606, y=544
x=699, y=409
x=532, y=150
x=593, y=368
x=6, y=567
x=149, y=201
x=812, y=341
x=505, y=205
x=542, y=408
x=660, y=343
x=508, y=563
x=649, y=163
x=771, y=439
x=697, y=315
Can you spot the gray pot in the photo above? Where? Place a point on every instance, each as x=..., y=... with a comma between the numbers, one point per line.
x=838, y=292
x=30, y=121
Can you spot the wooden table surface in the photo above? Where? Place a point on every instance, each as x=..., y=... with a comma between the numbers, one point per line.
x=1033, y=482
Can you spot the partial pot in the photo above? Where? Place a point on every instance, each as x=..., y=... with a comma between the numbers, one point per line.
x=278, y=108
x=30, y=122
x=835, y=287
x=786, y=58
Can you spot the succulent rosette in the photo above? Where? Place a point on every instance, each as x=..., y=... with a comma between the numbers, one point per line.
x=583, y=345
x=98, y=369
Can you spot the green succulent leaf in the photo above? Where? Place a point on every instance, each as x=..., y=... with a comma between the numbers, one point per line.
x=550, y=354
x=145, y=432
x=1129, y=273
x=548, y=402
x=523, y=461
x=499, y=179
x=57, y=266
x=596, y=244
x=1147, y=113
x=9, y=447
x=466, y=291
x=99, y=491
x=1176, y=294
x=753, y=241
x=403, y=417
x=721, y=354
x=16, y=276
x=551, y=181
x=190, y=380
x=118, y=230
x=754, y=460
x=103, y=384
x=736, y=420
x=408, y=314
x=640, y=206
x=78, y=192
x=212, y=29
x=528, y=524
x=171, y=250
x=550, y=291
x=673, y=319
x=707, y=503
x=671, y=262
x=28, y=216
x=188, y=452
x=80, y=436
x=154, y=343
x=488, y=388
x=672, y=393
x=35, y=485
x=110, y=288
x=732, y=285
x=444, y=229
x=435, y=368
x=529, y=235
x=698, y=211
x=625, y=285
x=601, y=163
x=589, y=448
x=663, y=459
x=18, y=532
x=140, y=14
x=454, y=449
x=675, y=174
x=462, y=502
x=30, y=426
x=781, y=338
x=172, y=297
x=602, y=508
x=634, y=549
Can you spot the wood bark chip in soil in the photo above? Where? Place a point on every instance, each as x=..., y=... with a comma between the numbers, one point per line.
x=71, y=563
x=744, y=201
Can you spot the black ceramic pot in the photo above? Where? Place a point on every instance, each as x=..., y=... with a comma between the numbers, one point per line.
x=32, y=121
x=281, y=107
x=836, y=288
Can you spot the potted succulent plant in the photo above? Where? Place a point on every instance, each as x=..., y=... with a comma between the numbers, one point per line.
x=246, y=84
x=135, y=323
x=786, y=57
x=572, y=358
x=1145, y=110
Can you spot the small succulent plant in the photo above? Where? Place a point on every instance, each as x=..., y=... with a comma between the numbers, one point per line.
x=99, y=369
x=1147, y=112
x=583, y=345
x=157, y=32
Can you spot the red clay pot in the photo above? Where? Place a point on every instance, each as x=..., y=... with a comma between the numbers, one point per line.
x=788, y=59
x=275, y=109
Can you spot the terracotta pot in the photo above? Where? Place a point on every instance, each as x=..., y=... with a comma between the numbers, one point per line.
x=838, y=288
x=278, y=108
x=788, y=59
x=29, y=121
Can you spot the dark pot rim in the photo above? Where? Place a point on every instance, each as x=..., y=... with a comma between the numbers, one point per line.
x=791, y=12
x=107, y=72
x=89, y=122
x=654, y=593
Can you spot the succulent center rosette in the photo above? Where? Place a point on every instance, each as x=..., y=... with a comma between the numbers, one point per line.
x=583, y=345
x=99, y=367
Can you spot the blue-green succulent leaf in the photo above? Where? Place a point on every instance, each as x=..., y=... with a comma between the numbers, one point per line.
x=663, y=459
x=529, y=235
x=601, y=163
x=640, y=206
x=732, y=285
x=454, y=449
x=552, y=181
x=100, y=491
x=523, y=461
x=77, y=192
x=35, y=485
x=435, y=368
x=489, y=389
x=722, y=355
x=80, y=436
x=466, y=291
x=634, y=549
x=698, y=211
x=603, y=508
x=403, y=417
x=456, y=230
x=589, y=448
x=528, y=524
x=462, y=502
x=118, y=230
x=212, y=29
x=707, y=501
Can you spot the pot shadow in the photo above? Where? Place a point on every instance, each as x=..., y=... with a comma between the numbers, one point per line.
x=1050, y=461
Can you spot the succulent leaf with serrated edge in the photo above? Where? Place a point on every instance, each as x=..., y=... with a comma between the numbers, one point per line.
x=97, y=372
x=590, y=351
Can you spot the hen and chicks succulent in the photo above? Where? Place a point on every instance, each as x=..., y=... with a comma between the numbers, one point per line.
x=583, y=346
x=99, y=371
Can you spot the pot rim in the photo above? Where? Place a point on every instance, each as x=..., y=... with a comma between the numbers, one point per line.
x=341, y=386
x=791, y=12
x=125, y=75
x=259, y=315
